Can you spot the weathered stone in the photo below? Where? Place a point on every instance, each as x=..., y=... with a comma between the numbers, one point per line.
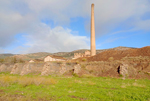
x=35, y=68
x=77, y=68
x=50, y=69
x=124, y=70
x=6, y=67
x=17, y=68
x=56, y=68
x=62, y=68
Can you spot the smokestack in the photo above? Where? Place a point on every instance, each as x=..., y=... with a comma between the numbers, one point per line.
x=93, y=49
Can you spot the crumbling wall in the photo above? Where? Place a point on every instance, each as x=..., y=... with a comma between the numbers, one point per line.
x=6, y=67
x=102, y=68
x=50, y=68
x=56, y=68
x=135, y=69
x=123, y=70
x=17, y=68
x=77, y=69
x=34, y=68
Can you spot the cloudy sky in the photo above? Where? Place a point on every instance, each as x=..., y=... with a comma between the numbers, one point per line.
x=28, y=26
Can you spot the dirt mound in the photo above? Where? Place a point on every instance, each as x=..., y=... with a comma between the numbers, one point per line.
x=119, y=54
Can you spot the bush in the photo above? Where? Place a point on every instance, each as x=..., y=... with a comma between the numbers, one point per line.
x=75, y=75
x=110, y=58
x=91, y=71
x=121, y=75
x=84, y=59
x=1, y=60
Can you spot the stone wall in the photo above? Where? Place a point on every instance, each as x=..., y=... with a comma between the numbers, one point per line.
x=34, y=68
x=6, y=67
x=17, y=68
x=48, y=68
x=57, y=68
x=99, y=68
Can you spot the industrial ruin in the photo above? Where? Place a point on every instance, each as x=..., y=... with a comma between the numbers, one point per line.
x=93, y=46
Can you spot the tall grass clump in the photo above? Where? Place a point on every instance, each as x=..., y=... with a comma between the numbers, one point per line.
x=84, y=59
x=6, y=80
x=25, y=81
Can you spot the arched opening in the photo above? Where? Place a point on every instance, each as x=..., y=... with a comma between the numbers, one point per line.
x=118, y=70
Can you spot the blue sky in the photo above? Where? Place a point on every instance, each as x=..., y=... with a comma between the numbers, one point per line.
x=64, y=25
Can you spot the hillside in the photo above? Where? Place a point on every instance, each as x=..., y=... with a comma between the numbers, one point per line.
x=68, y=55
x=2, y=56
x=119, y=54
x=39, y=55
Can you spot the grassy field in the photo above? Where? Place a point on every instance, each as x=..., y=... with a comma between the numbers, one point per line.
x=43, y=88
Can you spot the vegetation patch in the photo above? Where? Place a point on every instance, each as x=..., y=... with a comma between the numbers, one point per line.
x=35, y=87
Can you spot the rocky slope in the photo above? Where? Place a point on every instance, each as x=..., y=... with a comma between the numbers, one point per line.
x=118, y=54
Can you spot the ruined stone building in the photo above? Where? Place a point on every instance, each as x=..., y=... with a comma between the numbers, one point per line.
x=53, y=58
x=78, y=55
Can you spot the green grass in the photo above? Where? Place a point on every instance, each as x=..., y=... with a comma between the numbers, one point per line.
x=36, y=87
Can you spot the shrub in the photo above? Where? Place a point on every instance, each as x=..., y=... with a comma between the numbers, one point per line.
x=91, y=71
x=121, y=75
x=75, y=75
x=77, y=62
x=83, y=66
x=1, y=60
x=84, y=59
x=59, y=62
x=110, y=58
x=68, y=63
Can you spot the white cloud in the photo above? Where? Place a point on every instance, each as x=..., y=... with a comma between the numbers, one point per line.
x=111, y=14
x=25, y=17
x=43, y=38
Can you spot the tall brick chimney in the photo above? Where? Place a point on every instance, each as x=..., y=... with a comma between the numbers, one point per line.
x=93, y=49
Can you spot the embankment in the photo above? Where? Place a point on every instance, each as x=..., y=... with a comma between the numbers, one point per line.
x=127, y=68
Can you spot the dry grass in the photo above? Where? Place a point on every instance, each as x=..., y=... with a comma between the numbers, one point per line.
x=91, y=83
x=138, y=85
x=137, y=58
x=125, y=85
x=25, y=81
x=7, y=80
x=87, y=76
x=110, y=58
x=135, y=84
x=78, y=81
